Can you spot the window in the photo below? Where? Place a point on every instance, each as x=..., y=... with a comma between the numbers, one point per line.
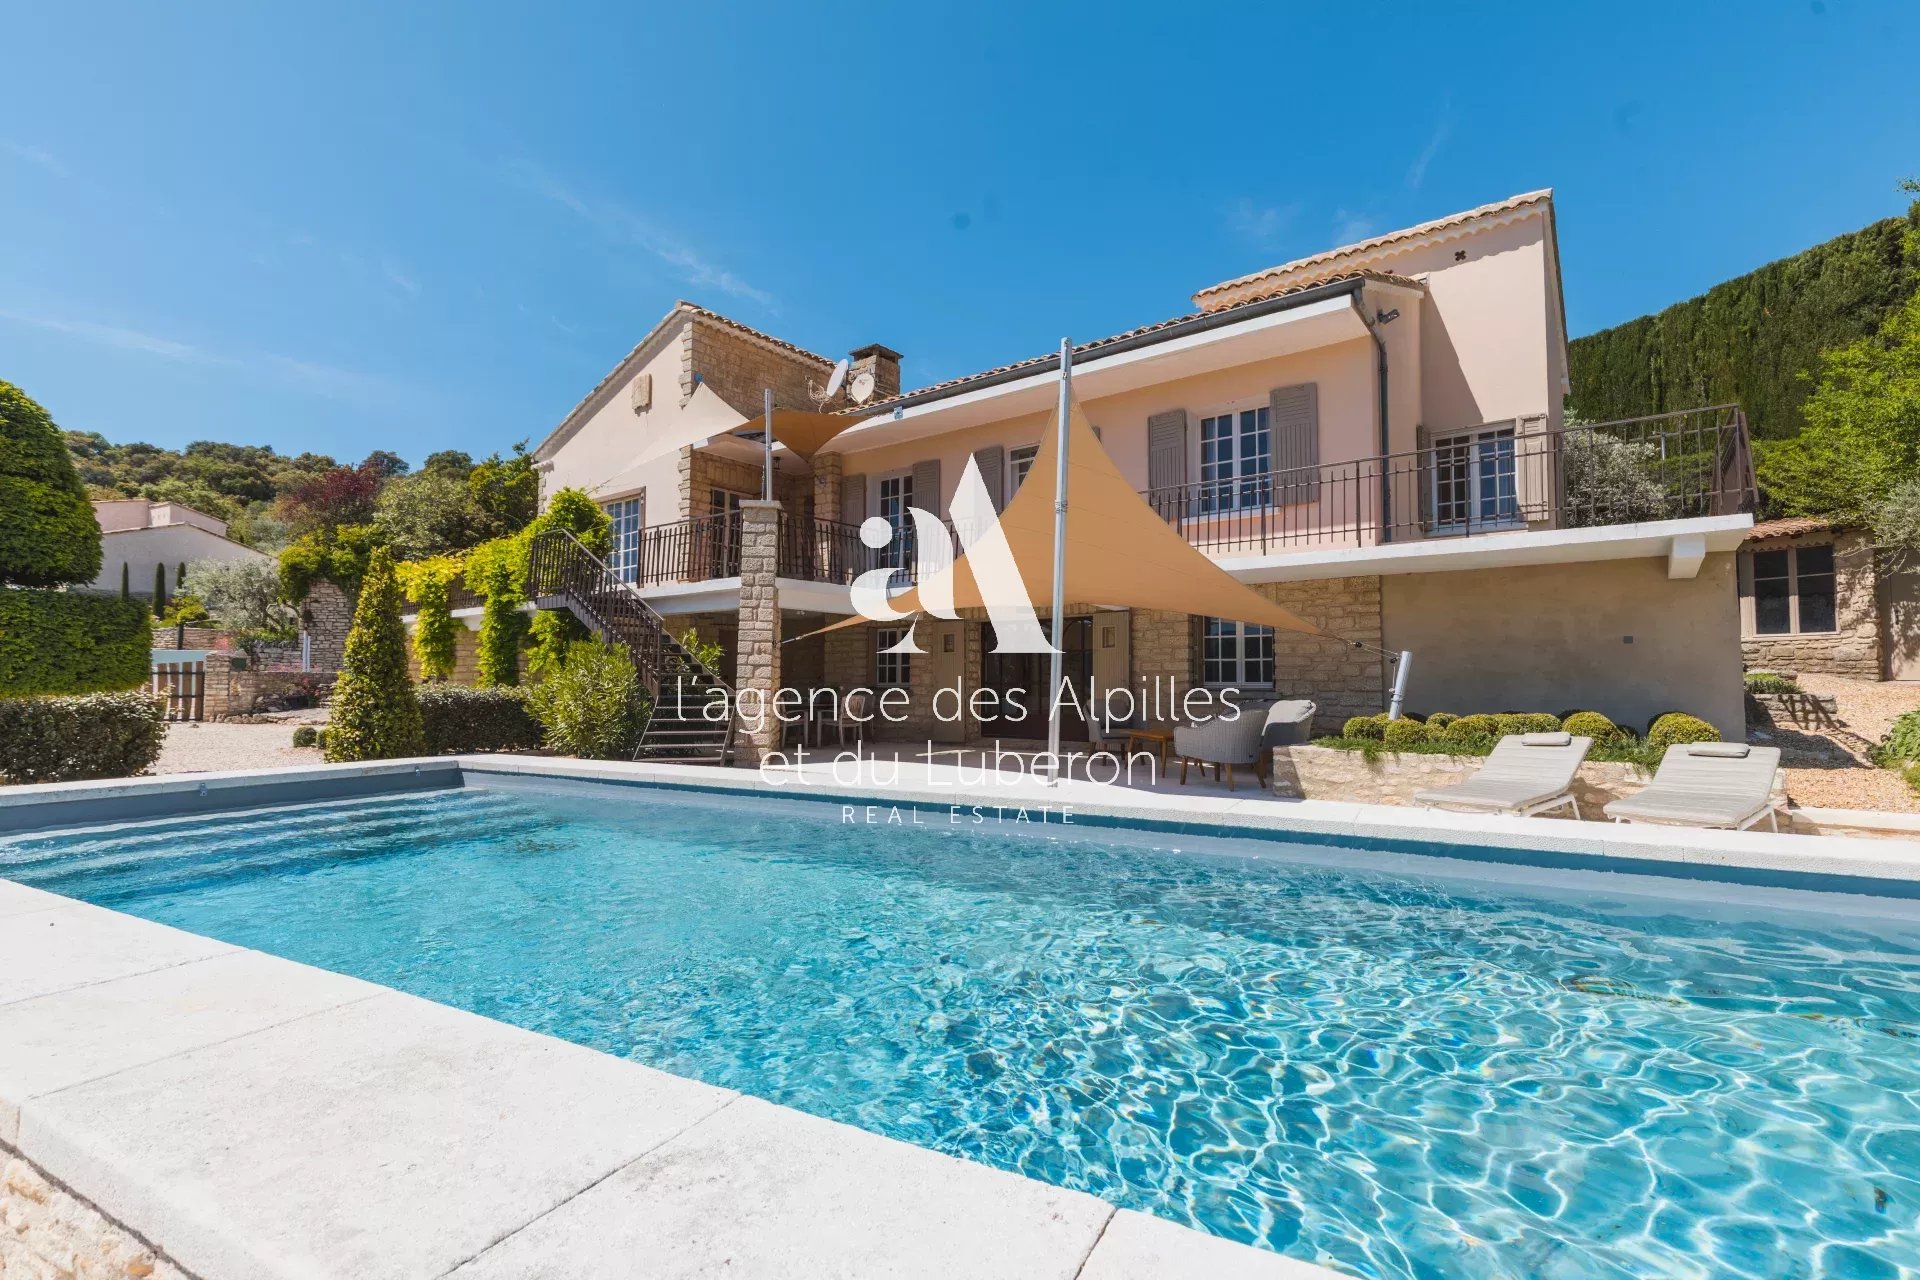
x=625, y=560
x=1792, y=590
x=891, y=669
x=1236, y=459
x=896, y=496
x=1238, y=654
x=1475, y=481
x=1019, y=462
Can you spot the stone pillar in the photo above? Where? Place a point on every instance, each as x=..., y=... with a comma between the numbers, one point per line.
x=757, y=662
x=827, y=468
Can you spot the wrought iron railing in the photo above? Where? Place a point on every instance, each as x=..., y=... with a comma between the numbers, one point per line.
x=688, y=550
x=1498, y=477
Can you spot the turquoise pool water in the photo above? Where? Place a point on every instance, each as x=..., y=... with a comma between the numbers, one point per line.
x=1399, y=1067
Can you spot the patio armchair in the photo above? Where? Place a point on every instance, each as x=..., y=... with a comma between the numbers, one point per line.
x=1527, y=773
x=1288, y=724
x=852, y=711
x=1706, y=784
x=1225, y=744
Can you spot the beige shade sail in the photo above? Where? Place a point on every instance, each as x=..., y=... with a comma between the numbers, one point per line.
x=1120, y=552
x=804, y=431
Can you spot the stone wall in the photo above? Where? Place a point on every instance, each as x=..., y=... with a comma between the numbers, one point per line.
x=757, y=665
x=48, y=1233
x=702, y=471
x=738, y=367
x=466, y=657
x=1341, y=680
x=1853, y=647
x=326, y=615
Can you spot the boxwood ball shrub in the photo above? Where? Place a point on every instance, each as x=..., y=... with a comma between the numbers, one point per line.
x=1405, y=732
x=306, y=736
x=375, y=713
x=1468, y=730
x=458, y=719
x=1676, y=727
x=1440, y=720
x=98, y=735
x=1591, y=724
x=1373, y=728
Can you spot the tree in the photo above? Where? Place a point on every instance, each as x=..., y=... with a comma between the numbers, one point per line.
x=375, y=713
x=244, y=595
x=1895, y=521
x=48, y=534
x=430, y=514
x=344, y=495
x=1863, y=428
x=384, y=464
x=507, y=490
x=159, y=591
x=126, y=582
x=450, y=462
x=330, y=554
x=428, y=583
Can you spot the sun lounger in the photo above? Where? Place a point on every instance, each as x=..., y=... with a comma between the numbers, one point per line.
x=1527, y=773
x=1706, y=784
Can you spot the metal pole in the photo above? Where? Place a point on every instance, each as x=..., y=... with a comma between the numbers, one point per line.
x=1056, y=664
x=1400, y=684
x=766, y=453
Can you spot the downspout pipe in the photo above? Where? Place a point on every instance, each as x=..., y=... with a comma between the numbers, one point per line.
x=1380, y=365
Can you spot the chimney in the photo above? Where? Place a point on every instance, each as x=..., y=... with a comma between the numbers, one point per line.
x=883, y=363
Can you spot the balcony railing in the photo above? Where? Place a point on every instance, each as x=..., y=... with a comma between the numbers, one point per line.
x=1499, y=477
x=1495, y=478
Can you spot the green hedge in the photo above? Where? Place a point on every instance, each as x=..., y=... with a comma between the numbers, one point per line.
x=458, y=719
x=60, y=642
x=48, y=534
x=1751, y=340
x=99, y=735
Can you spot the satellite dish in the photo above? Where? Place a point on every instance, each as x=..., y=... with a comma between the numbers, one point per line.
x=834, y=379
x=862, y=389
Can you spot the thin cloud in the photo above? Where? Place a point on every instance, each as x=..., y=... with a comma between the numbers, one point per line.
x=622, y=225
x=1417, y=171
x=1261, y=224
x=1349, y=226
x=399, y=279
x=34, y=155
x=107, y=335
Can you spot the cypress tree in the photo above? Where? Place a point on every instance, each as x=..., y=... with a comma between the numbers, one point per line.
x=159, y=590
x=126, y=582
x=180, y=575
x=376, y=715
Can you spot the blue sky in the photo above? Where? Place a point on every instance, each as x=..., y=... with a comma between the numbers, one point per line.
x=365, y=226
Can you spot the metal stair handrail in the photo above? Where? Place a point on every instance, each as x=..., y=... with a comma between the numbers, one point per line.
x=559, y=565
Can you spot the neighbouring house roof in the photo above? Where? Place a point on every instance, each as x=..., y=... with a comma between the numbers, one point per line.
x=1320, y=266
x=682, y=312
x=1159, y=330
x=1789, y=527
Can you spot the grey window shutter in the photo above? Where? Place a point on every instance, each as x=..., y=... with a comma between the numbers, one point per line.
x=992, y=462
x=1293, y=416
x=926, y=486
x=1424, y=474
x=853, y=499
x=1167, y=458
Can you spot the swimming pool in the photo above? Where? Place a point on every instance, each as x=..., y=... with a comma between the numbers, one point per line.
x=1394, y=1065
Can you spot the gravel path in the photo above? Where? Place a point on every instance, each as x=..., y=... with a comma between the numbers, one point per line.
x=1828, y=767
x=215, y=746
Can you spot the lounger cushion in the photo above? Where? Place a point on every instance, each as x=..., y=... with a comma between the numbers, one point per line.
x=1546, y=739
x=1729, y=750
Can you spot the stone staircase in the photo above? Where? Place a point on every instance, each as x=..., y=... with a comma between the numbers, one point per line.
x=562, y=574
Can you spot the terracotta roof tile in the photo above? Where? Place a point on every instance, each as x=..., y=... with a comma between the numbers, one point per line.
x=1788, y=527
x=1088, y=348
x=1315, y=265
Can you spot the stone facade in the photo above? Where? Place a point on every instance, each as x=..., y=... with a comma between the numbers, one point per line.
x=1341, y=680
x=466, y=657
x=757, y=664
x=49, y=1233
x=702, y=471
x=738, y=367
x=1853, y=647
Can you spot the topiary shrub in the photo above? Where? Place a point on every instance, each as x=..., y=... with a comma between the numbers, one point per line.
x=48, y=534
x=1901, y=745
x=375, y=713
x=1507, y=722
x=1405, y=733
x=458, y=719
x=1372, y=728
x=306, y=736
x=60, y=642
x=1591, y=724
x=98, y=735
x=1441, y=719
x=1676, y=727
x=593, y=706
x=1468, y=731
x=1771, y=682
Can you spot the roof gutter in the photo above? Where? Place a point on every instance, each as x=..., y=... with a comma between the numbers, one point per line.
x=1200, y=323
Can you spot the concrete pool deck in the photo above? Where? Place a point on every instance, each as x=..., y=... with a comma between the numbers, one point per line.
x=248, y=1116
